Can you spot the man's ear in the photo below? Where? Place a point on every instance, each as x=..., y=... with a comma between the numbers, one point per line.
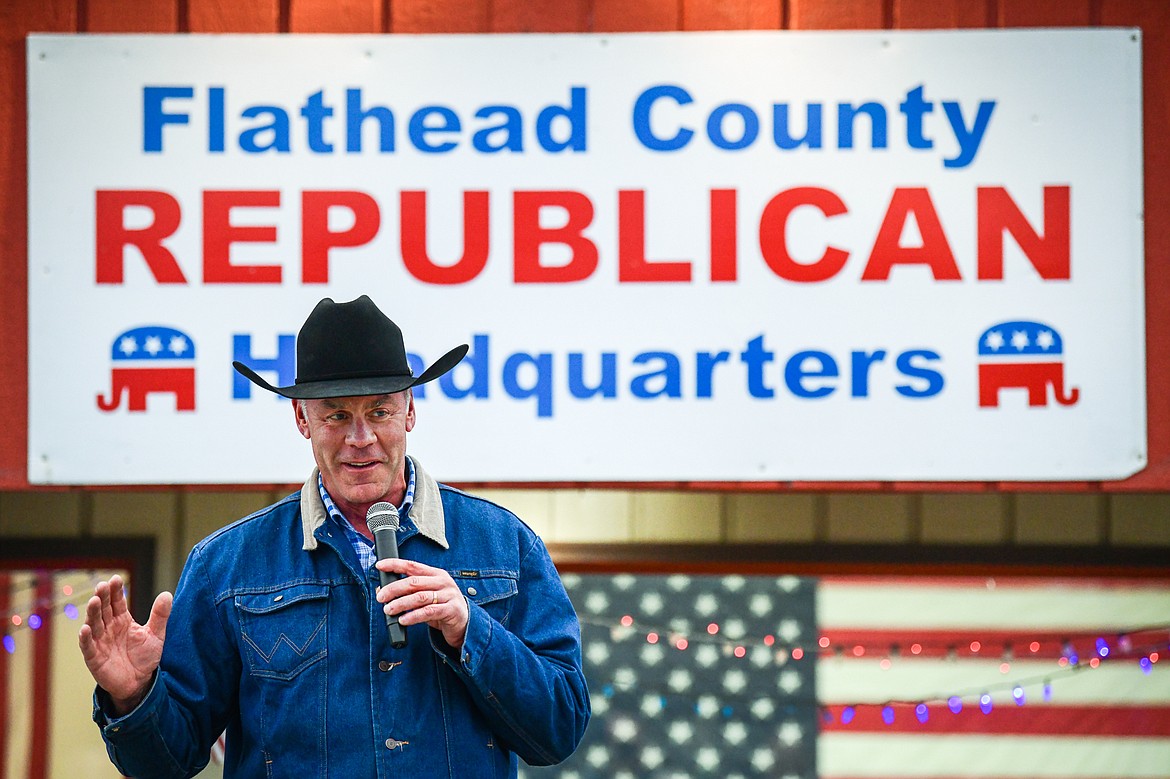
x=410, y=416
x=302, y=420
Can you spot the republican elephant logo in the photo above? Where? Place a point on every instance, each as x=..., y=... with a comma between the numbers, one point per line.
x=1023, y=355
x=149, y=360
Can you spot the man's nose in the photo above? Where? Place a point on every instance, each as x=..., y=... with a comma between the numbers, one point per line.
x=360, y=433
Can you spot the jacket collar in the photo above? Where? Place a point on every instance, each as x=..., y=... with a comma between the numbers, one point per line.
x=427, y=512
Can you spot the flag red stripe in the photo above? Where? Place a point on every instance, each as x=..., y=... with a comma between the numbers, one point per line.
x=992, y=644
x=1006, y=718
x=1006, y=582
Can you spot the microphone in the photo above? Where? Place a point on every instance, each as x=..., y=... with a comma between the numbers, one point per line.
x=382, y=520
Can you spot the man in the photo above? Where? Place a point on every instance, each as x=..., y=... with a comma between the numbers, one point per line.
x=278, y=631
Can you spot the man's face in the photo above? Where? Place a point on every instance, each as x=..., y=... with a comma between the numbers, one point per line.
x=359, y=444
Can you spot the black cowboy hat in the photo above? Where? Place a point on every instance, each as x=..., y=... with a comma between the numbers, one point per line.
x=347, y=349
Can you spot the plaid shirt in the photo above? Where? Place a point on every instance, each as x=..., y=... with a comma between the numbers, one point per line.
x=363, y=546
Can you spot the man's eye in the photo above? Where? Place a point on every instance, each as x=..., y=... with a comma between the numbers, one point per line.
x=380, y=413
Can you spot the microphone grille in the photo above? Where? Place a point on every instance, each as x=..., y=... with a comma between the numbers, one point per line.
x=382, y=515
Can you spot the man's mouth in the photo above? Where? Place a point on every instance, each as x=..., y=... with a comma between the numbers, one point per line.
x=363, y=465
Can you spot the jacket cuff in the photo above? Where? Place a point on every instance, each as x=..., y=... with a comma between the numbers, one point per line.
x=467, y=658
x=114, y=726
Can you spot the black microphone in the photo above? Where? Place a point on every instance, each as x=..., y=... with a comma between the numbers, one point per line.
x=382, y=520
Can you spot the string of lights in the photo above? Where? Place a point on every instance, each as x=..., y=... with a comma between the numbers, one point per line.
x=1145, y=644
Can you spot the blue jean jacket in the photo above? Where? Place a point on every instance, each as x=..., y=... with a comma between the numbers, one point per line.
x=276, y=637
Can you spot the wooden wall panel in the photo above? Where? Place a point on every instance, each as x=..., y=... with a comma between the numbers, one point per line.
x=746, y=15
x=226, y=16
x=541, y=16
x=837, y=14
x=440, y=16
x=1044, y=13
x=335, y=16
x=942, y=14
x=131, y=16
x=624, y=16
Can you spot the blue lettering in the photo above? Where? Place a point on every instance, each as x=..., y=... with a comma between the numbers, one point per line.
x=968, y=140
x=284, y=364
x=154, y=118
x=574, y=114
x=642, y=107
x=812, y=129
x=355, y=117
x=705, y=363
x=846, y=113
x=216, y=124
x=756, y=357
x=420, y=129
x=278, y=126
x=316, y=112
x=751, y=126
x=914, y=107
x=606, y=385
x=476, y=361
x=934, y=379
x=795, y=373
x=541, y=388
x=511, y=128
x=670, y=374
x=861, y=365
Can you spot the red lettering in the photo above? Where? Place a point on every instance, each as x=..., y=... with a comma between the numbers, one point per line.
x=112, y=236
x=724, y=246
x=888, y=251
x=774, y=243
x=413, y=238
x=219, y=234
x=632, y=262
x=316, y=237
x=528, y=236
x=997, y=213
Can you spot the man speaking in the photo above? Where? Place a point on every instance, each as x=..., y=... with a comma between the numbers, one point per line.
x=282, y=634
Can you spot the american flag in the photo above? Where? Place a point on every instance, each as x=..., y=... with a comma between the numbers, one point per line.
x=879, y=677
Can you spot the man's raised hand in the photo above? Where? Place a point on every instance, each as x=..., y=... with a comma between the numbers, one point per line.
x=122, y=655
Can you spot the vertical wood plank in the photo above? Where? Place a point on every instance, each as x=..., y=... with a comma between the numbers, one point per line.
x=943, y=14
x=541, y=16
x=441, y=16
x=1044, y=13
x=335, y=16
x=17, y=19
x=744, y=15
x=131, y=16
x=624, y=16
x=1153, y=17
x=836, y=14
x=225, y=16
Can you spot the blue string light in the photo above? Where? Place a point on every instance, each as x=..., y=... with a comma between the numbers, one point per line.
x=922, y=711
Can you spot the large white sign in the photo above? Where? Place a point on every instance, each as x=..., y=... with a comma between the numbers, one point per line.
x=693, y=256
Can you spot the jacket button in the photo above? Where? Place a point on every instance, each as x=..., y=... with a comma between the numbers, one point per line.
x=393, y=743
x=472, y=591
x=384, y=665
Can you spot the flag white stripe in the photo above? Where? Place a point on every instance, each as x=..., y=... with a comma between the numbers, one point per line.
x=1030, y=608
x=1009, y=757
x=1116, y=682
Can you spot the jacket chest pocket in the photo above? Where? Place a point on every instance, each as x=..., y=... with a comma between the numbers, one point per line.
x=283, y=632
x=493, y=590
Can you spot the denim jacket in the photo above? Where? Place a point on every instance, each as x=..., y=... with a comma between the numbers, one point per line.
x=276, y=637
